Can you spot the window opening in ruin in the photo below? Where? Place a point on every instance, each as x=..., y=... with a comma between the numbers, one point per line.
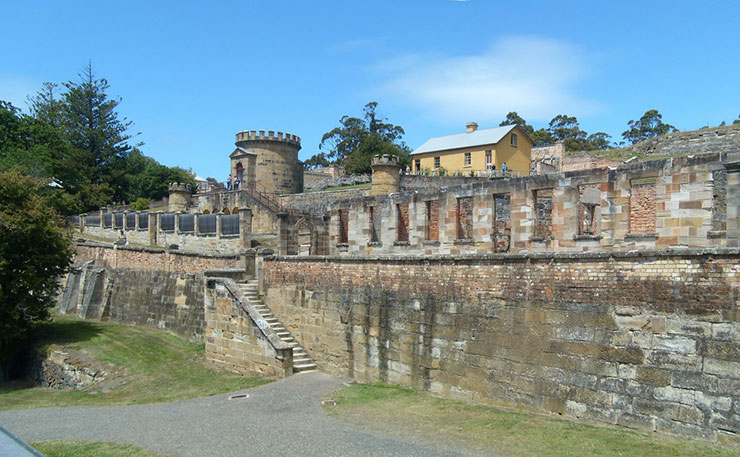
x=589, y=198
x=436, y=162
x=130, y=221
x=107, y=220
x=240, y=172
x=305, y=237
x=229, y=224
x=432, y=220
x=402, y=210
x=501, y=222
x=642, y=205
x=543, y=213
x=144, y=221
x=118, y=218
x=167, y=222
x=343, y=226
x=513, y=139
x=374, y=216
x=467, y=159
x=719, y=200
x=465, y=218
x=417, y=164
x=207, y=223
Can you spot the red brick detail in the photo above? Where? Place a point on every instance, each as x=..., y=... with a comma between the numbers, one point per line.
x=642, y=208
x=433, y=220
x=465, y=218
x=403, y=221
x=343, y=225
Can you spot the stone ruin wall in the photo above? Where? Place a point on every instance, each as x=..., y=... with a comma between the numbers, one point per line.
x=142, y=286
x=648, y=340
x=671, y=203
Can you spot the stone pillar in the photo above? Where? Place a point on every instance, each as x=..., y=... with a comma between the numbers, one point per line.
x=177, y=222
x=125, y=221
x=100, y=212
x=245, y=227
x=259, y=268
x=386, y=177
x=287, y=244
x=152, y=228
x=196, y=224
x=82, y=222
x=179, y=199
x=218, y=226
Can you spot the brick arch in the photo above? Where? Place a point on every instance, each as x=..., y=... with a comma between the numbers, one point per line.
x=235, y=210
x=304, y=223
x=205, y=211
x=226, y=211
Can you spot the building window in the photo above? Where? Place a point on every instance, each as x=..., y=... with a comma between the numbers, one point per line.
x=403, y=222
x=489, y=159
x=467, y=159
x=589, y=197
x=465, y=218
x=433, y=220
x=343, y=225
x=417, y=164
x=436, y=162
x=543, y=213
x=501, y=222
x=642, y=205
x=374, y=224
x=513, y=139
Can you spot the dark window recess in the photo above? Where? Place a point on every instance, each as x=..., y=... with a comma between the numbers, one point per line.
x=92, y=220
x=167, y=222
x=207, y=223
x=230, y=224
x=131, y=221
x=433, y=220
x=501, y=222
x=465, y=218
x=119, y=220
x=719, y=200
x=343, y=225
x=74, y=219
x=144, y=221
x=403, y=222
x=374, y=228
x=543, y=213
x=187, y=222
x=107, y=220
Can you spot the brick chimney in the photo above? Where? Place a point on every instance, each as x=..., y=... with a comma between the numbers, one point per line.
x=471, y=127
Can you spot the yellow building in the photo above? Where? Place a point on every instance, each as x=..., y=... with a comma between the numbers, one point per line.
x=476, y=152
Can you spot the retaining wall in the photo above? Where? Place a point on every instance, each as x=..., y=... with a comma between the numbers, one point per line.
x=648, y=340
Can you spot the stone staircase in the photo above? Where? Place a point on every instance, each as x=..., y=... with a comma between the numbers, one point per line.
x=301, y=360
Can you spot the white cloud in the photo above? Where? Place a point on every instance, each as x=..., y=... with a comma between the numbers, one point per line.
x=533, y=76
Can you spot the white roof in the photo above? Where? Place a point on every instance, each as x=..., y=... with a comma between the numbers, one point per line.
x=199, y=178
x=464, y=140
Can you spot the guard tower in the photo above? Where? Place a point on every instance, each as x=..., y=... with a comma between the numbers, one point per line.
x=267, y=160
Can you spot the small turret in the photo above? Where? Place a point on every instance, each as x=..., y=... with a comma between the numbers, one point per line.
x=179, y=196
x=386, y=175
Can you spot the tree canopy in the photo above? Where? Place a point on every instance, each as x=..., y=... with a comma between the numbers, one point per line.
x=561, y=128
x=75, y=139
x=356, y=141
x=649, y=125
x=34, y=252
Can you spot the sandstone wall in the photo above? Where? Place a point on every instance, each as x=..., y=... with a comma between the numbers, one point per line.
x=649, y=340
x=238, y=337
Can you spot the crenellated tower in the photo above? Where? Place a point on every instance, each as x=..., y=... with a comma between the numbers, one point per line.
x=269, y=159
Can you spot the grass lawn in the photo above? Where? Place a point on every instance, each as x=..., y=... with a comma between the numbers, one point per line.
x=92, y=449
x=403, y=411
x=144, y=366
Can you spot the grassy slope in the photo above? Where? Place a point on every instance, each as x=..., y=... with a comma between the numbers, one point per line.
x=409, y=412
x=92, y=449
x=148, y=366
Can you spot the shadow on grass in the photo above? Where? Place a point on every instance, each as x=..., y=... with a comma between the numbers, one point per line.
x=67, y=331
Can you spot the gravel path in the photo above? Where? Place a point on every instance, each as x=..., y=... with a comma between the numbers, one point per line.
x=278, y=419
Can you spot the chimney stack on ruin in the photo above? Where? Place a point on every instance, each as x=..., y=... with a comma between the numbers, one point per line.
x=471, y=127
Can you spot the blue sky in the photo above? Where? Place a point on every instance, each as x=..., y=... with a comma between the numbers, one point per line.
x=192, y=74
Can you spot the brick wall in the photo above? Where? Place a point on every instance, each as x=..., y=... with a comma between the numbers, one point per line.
x=642, y=208
x=646, y=340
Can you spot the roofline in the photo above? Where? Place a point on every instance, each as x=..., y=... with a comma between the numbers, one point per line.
x=513, y=126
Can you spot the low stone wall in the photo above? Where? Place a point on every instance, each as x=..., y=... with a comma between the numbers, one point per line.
x=421, y=182
x=649, y=340
x=317, y=202
x=154, y=259
x=239, y=338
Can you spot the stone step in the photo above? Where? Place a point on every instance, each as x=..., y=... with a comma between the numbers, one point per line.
x=287, y=339
x=304, y=367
